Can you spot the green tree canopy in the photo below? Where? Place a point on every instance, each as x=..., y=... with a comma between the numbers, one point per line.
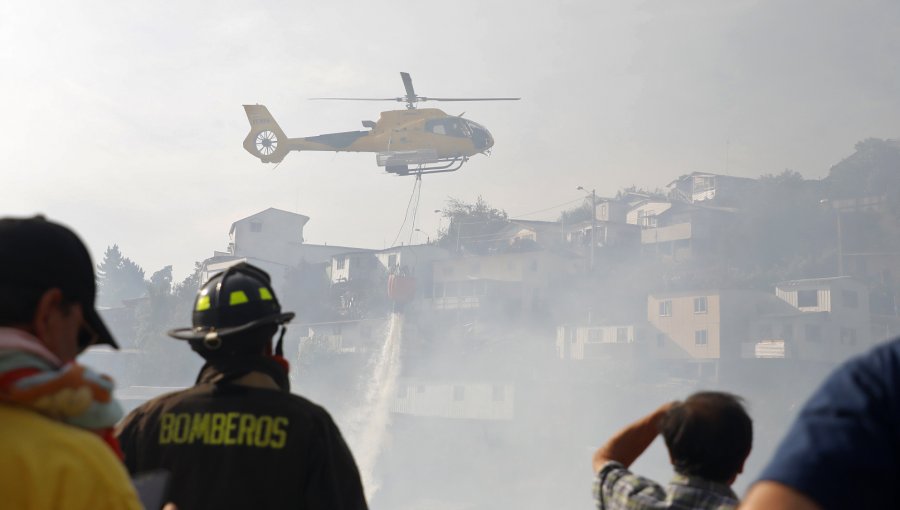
x=473, y=226
x=118, y=278
x=873, y=170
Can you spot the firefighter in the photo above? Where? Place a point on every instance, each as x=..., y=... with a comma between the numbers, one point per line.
x=239, y=438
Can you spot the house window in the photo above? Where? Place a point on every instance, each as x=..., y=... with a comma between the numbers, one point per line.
x=451, y=289
x=812, y=333
x=848, y=336
x=438, y=290
x=700, y=304
x=595, y=335
x=701, y=337
x=392, y=261
x=622, y=335
x=807, y=298
x=459, y=393
x=665, y=308
x=660, y=339
x=850, y=298
x=765, y=332
x=341, y=262
x=498, y=393
x=335, y=329
x=646, y=218
x=255, y=226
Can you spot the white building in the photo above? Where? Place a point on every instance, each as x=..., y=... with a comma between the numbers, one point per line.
x=455, y=399
x=273, y=241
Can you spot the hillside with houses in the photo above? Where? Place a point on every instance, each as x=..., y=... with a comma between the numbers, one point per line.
x=513, y=326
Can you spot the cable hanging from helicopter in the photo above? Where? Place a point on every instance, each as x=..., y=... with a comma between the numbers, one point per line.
x=413, y=141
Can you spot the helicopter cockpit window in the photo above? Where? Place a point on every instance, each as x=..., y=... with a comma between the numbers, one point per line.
x=450, y=126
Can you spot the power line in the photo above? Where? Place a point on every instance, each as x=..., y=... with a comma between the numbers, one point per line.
x=548, y=208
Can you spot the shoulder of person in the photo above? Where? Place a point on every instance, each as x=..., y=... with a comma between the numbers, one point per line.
x=77, y=461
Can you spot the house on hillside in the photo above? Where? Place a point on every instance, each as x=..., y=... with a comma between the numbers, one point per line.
x=273, y=241
x=455, y=399
x=531, y=234
x=676, y=231
x=712, y=189
x=272, y=234
x=342, y=337
x=830, y=320
x=606, y=341
x=509, y=282
x=703, y=327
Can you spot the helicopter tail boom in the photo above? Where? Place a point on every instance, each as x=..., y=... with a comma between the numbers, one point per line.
x=265, y=140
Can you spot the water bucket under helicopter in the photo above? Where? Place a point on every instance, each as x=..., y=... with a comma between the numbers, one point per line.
x=401, y=289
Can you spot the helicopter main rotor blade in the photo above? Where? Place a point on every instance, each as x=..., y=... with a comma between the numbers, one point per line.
x=407, y=83
x=357, y=99
x=469, y=98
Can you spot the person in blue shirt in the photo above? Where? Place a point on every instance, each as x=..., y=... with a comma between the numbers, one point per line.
x=843, y=450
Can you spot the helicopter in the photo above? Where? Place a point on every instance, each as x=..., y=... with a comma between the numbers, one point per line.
x=411, y=141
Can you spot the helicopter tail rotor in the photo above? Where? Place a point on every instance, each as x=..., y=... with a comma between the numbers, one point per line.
x=266, y=140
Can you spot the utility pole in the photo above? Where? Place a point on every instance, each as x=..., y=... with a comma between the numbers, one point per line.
x=593, y=224
x=840, y=237
x=840, y=240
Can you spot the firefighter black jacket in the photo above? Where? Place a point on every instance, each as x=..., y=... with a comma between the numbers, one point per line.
x=233, y=446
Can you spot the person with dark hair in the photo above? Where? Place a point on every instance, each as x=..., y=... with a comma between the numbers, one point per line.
x=239, y=438
x=56, y=417
x=708, y=436
x=843, y=449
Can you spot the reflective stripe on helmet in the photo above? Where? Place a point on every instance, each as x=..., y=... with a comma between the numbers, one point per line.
x=237, y=297
x=202, y=303
x=265, y=294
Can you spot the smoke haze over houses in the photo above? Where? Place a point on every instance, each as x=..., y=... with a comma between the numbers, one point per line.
x=126, y=120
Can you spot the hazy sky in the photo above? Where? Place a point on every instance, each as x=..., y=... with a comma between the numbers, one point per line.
x=124, y=119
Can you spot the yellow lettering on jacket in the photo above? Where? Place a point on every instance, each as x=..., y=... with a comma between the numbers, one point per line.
x=246, y=428
x=279, y=434
x=218, y=429
x=199, y=428
x=224, y=429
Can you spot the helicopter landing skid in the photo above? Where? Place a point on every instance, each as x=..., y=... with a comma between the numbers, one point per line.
x=437, y=167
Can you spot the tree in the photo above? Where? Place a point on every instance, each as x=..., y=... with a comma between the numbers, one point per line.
x=873, y=170
x=185, y=293
x=473, y=226
x=118, y=278
x=781, y=232
x=576, y=214
x=155, y=314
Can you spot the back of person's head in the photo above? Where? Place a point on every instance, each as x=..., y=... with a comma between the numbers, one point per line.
x=709, y=435
x=37, y=255
x=236, y=314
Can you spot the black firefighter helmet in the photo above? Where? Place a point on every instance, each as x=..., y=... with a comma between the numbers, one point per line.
x=236, y=300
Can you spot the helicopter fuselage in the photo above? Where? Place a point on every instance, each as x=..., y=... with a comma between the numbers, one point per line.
x=420, y=136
